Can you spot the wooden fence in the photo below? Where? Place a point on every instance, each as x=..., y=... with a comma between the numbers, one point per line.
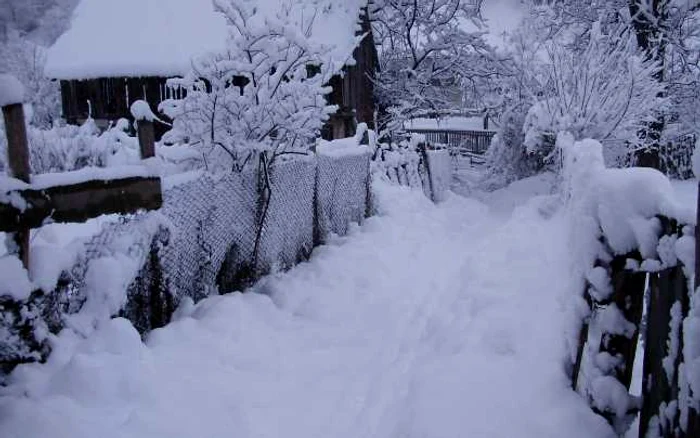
x=70, y=202
x=654, y=273
x=467, y=141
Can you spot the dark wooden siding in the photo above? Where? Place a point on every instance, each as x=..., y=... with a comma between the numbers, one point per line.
x=110, y=98
x=353, y=91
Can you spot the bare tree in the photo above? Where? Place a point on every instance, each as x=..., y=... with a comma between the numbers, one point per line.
x=430, y=51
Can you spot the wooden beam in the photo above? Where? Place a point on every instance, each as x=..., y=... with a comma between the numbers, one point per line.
x=80, y=202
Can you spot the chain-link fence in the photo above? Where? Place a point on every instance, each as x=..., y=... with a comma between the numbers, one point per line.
x=675, y=155
x=214, y=234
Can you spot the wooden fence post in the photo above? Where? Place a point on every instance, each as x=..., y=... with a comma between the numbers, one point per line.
x=147, y=138
x=144, y=118
x=658, y=387
x=18, y=160
x=693, y=426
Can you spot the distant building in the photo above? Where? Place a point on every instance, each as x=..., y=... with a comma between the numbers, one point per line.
x=116, y=52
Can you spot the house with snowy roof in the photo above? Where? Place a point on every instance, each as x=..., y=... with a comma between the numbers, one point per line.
x=117, y=52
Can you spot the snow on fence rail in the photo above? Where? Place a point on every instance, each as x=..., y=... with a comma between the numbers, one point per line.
x=633, y=239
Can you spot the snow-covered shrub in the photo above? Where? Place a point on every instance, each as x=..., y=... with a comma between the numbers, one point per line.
x=430, y=61
x=507, y=159
x=606, y=91
x=66, y=148
x=265, y=92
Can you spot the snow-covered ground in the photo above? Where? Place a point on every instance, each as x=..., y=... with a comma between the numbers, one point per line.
x=426, y=321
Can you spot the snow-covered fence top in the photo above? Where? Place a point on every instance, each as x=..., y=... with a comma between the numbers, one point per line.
x=412, y=164
x=629, y=231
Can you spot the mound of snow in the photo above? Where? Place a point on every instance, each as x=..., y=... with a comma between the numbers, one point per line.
x=11, y=90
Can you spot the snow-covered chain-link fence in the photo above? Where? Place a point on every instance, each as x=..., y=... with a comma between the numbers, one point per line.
x=213, y=233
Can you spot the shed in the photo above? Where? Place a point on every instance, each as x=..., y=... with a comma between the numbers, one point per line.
x=116, y=52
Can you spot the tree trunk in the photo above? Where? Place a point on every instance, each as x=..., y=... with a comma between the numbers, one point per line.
x=648, y=20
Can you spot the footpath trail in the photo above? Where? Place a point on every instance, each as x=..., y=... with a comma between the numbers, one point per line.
x=426, y=321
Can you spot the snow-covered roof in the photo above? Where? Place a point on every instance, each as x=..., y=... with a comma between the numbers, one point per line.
x=110, y=38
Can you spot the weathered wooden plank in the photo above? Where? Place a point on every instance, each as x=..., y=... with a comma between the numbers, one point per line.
x=628, y=296
x=667, y=288
x=80, y=202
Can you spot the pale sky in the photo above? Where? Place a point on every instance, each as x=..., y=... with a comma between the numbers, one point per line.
x=501, y=16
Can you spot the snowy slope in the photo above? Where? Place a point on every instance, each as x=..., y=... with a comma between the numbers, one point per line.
x=427, y=321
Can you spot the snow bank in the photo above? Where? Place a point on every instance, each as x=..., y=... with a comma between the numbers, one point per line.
x=15, y=282
x=11, y=90
x=623, y=202
x=160, y=37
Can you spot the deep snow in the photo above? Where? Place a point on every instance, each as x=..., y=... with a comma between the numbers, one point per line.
x=426, y=321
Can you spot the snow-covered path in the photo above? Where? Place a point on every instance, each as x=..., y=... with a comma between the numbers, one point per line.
x=427, y=321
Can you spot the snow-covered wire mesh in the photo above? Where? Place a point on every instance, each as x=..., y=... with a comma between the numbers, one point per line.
x=287, y=234
x=676, y=156
x=342, y=189
x=211, y=216
x=202, y=241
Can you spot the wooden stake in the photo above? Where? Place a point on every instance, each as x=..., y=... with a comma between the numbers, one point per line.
x=18, y=159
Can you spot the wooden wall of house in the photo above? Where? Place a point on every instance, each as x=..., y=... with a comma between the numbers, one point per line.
x=362, y=74
x=353, y=92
